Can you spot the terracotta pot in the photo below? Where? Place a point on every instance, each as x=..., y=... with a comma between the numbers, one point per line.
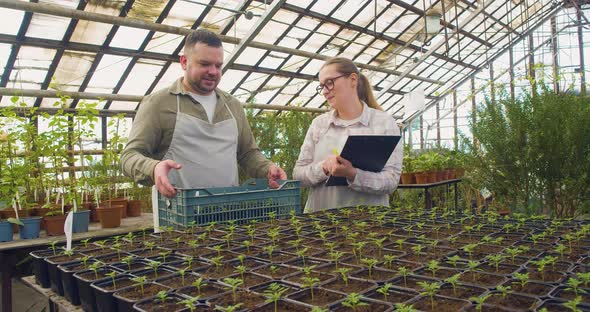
x=421, y=177
x=432, y=177
x=134, y=208
x=407, y=178
x=54, y=225
x=440, y=175
x=110, y=217
x=459, y=173
x=120, y=201
x=450, y=173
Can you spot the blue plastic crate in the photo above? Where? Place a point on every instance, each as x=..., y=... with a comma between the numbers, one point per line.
x=252, y=200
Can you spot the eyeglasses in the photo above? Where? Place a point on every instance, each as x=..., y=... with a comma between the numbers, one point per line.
x=329, y=84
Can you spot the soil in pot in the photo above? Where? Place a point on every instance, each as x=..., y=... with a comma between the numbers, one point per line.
x=299, y=278
x=276, y=271
x=209, y=289
x=460, y=291
x=282, y=305
x=394, y=295
x=252, y=279
x=377, y=275
x=128, y=296
x=353, y=285
x=321, y=297
x=170, y=304
x=249, y=300
x=513, y=301
x=441, y=304
x=371, y=306
x=483, y=279
x=531, y=288
x=176, y=280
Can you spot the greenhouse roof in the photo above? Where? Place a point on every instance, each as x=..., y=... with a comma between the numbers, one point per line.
x=273, y=49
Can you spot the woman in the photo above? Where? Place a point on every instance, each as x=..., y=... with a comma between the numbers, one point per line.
x=354, y=112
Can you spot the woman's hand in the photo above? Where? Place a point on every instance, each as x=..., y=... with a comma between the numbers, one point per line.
x=339, y=167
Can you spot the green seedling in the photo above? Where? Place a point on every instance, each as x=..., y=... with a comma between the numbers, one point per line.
x=388, y=260
x=310, y=282
x=429, y=289
x=140, y=281
x=241, y=269
x=233, y=284
x=404, y=272
x=161, y=296
x=231, y=308
x=432, y=266
x=190, y=303
x=182, y=273
x=112, y=275
x=453, y=260
x=504, y=290
x=344, y=274
x=453, y=280
x=370, y=262
x=384, y=290
x=127, y=260
x=523, y=279
x=154, y=265
x=199, y=283
x=403, y=307
x=274, y=293
x=479, y=301
x=573, y=304
x=354, y=301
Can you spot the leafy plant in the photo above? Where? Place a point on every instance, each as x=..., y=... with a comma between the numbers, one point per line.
x=479, y=301
x=344, y=274
x=310, y=282
x=429, y=289
x=453, y=281
x=273, y=293
x=199, y=283
x=354, y=301
x=523, y=278
x=230, y=308
x=384, y=290
x=233, y=284
x=370, y=262
x=139, y=281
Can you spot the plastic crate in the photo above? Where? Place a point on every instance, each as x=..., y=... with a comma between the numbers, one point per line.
x=253, y=200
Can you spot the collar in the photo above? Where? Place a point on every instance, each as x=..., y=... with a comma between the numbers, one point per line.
x=178, y=89
x=364, y=118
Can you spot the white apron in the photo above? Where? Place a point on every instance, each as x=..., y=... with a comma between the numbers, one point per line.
x=206, y=151
x=323, y=197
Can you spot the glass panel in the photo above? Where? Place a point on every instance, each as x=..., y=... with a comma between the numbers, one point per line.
x=129, y=38
x=141, y=77
x=12, y=20
x=72, y=69
x=108, y=73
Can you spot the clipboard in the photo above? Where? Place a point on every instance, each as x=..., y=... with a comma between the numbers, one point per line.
x=366, y=152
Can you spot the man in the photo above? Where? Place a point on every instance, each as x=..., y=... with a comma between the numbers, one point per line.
x=191, y=134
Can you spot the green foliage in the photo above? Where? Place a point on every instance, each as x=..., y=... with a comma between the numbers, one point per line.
x=533, y=153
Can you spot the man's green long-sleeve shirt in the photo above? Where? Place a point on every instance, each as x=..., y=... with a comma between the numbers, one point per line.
x=154, y=123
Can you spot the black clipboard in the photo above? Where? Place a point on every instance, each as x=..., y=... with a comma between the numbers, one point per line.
x=366, y=152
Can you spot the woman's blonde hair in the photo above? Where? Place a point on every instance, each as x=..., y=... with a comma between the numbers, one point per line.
x=363, y=88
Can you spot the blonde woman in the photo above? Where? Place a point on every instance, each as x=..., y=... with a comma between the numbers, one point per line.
x=354, y=111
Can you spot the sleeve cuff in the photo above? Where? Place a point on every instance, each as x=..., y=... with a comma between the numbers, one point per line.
x=356, y=184
x=318, y=172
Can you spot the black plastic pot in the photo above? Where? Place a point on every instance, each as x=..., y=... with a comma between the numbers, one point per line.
x=83, y=281
x=105, y=302
x=55, y=276
x=69, y=282
x=40, y=269
x=172, y=302
x=124, y=303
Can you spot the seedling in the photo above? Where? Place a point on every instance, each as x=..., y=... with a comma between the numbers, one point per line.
x=85, y=260
x=188, y=260
x=429, y=289
x=139, y=281
x=247, y=244
x=388, y=260
x=504, y=290
x=310, y=282
x=218, y=248
x=418, y=249
x=573, y=304
x=433, y=267
x=574, y=285
x=584, y=277
x=269, y=250
x=182, y=273
x=149, y=245
x=161, y=296
x=353, y=301
x=560, y=249
x=479, y=301
x=318, y=309
x=241, y=269
x=241, y=258
x=453, y=280
x=335, y=256
x=102, y=244
x=370, y=262
x=85, y=242
x=384, y=290
x=273, y=294
x=218, y=262
x=513, y=252
x=190, y=303
x=154, y=265
x=233, y=283
x=94, y=267
x=402, y=307
x=404, y=272
x=379, y=244
x=165, y=254
x=472, y=265
x=178, y=240
x=301, y=254
x=496, y=259
x=344, y=273
x=453, y=260
x=199, y=283
x=469, y=249
x=523, y=279
x=112, y=275
x=127, y=260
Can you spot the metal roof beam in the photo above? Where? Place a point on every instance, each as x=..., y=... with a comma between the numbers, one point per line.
x=430, y=52
x=551, y=14
x=137, y=23
x=360, y=29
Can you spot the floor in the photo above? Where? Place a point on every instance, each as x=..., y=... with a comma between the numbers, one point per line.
x=25, y=299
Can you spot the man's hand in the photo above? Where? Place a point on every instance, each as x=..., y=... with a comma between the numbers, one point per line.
x=161, y=177
x=343, y=168
x=275, y=173
x=329, y=163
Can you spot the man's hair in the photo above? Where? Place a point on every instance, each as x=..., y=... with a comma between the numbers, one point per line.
x=201, y=35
